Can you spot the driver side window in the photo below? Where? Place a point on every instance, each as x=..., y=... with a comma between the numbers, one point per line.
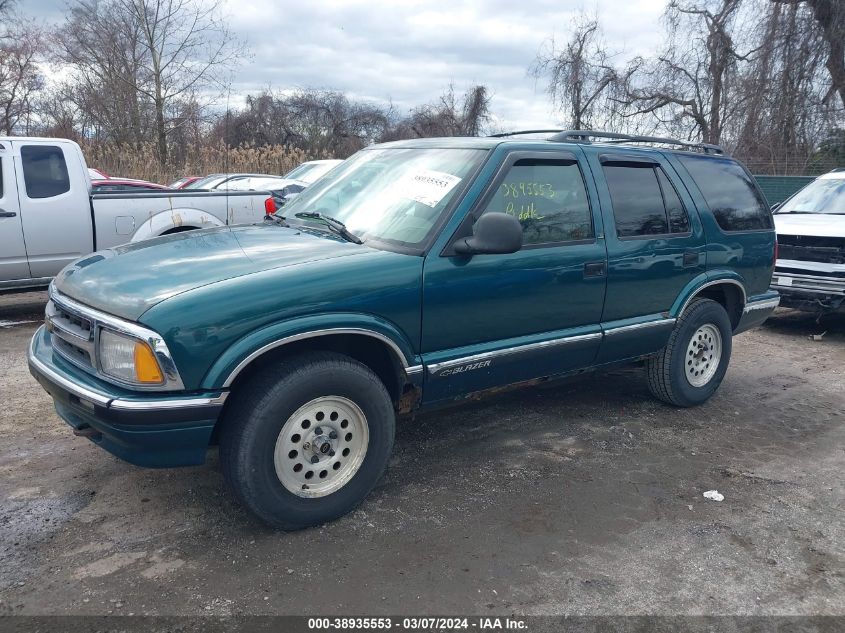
x=549, y=199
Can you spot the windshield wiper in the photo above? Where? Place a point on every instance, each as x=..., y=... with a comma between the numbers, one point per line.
x=334, y=225
x=278, y=219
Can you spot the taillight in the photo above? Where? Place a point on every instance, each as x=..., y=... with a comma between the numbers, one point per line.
x=270, y=206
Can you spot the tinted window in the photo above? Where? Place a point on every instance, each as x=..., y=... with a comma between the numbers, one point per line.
x=549, y=199
x=44, y=171
x=637, y=201
x=678, y=219
x=730, y=193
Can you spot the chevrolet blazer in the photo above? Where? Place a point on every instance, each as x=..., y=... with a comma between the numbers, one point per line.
x=417, y=274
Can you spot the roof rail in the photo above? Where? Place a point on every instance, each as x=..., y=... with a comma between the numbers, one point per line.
x=518, y=132
x=584, y=136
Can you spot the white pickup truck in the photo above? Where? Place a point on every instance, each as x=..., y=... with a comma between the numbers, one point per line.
x=48, y=217
x=810, y=270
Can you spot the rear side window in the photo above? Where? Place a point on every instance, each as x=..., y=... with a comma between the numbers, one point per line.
x=44, y=171
x=644, y=201
x=549, y=199
x=730, y=193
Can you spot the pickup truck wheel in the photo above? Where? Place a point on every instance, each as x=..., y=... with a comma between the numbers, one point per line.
x=306, y=444
x=691, y=366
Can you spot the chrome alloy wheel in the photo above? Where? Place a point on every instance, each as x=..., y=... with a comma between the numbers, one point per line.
x=321, y=446
x=704, y=353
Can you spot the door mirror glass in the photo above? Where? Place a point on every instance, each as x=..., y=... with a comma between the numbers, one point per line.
x=492, y=233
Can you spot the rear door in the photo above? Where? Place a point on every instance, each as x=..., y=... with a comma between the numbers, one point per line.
x=655, y=245
x=55, y=208
x=13, y=263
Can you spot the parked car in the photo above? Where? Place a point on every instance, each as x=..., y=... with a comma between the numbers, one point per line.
x=183, y=182
x=810, y=270
x=49, y=217
x=312, y=170
x=418, y=274
x=124, y=184
x=96, y=174
x=281, y=189
x=220, y=182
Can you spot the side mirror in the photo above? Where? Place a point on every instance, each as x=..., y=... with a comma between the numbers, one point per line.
x=492, y=233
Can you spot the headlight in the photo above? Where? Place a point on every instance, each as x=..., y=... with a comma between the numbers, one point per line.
x=128, y=359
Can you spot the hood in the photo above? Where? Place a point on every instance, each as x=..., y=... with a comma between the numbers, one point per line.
x=128, y=280
x=812, y=224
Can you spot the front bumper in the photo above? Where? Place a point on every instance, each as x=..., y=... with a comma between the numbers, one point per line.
x=810, y=291
x=157, y=430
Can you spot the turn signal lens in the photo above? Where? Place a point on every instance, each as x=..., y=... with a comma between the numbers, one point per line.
x=146, y=365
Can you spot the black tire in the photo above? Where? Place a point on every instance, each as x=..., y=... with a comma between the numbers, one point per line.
x=667, y=376
x=254, y=419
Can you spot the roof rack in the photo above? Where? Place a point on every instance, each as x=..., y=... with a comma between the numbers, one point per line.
x=584, y=136
x=519, y=132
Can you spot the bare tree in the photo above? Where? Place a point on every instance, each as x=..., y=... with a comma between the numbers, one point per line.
x=20, y=77
x=147, y=58
x=186, y=46
x=580, y=74
x=830, y=17
x=692, y=80
x=450, y=115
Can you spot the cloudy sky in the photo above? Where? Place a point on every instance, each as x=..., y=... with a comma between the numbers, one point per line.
x=408, y=51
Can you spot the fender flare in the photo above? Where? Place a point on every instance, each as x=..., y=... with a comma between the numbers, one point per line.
x=706, y=280
x=170, y=219
x=244, y=351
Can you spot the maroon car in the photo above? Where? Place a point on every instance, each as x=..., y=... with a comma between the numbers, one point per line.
x=124, y=185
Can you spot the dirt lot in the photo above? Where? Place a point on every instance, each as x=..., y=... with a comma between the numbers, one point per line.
x=581, y=499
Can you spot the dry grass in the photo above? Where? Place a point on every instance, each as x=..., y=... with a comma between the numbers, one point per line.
x=143, y=162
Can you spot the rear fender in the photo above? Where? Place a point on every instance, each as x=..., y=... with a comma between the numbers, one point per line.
x=170, y=219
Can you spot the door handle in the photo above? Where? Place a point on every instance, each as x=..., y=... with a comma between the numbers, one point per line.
x=594, y=269
x=7, y=214
x=690, y=259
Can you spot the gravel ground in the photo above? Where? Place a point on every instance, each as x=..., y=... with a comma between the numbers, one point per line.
x=584, y=498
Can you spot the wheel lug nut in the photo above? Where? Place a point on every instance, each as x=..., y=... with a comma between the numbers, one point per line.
x=306, y=446
x=318, y=430
x=314, y=459
x=333, y=435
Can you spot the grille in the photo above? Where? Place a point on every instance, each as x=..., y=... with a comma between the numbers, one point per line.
x=808, y=248
x=73, y=335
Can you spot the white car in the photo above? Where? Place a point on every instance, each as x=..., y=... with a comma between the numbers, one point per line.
x=312, y=170
x=49, y=218
x=810, y=270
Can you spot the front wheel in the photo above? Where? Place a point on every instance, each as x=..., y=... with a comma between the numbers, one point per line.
x=691, y=366
x=307, y=444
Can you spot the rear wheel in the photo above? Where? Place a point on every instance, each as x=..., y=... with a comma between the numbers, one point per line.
x=307, y=444
x=692, y=365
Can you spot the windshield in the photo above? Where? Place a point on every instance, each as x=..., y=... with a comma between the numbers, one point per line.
x=391, y=195
x=825, y=195
x=310, y=172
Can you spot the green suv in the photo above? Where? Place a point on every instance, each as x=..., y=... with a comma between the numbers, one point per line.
x=416, y=274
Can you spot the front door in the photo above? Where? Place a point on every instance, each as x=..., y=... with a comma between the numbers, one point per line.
x=54, y=203
x=491, y=320
x=13, y=265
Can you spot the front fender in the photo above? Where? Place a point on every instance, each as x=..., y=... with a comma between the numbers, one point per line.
x=171, y=219
x=231, y=362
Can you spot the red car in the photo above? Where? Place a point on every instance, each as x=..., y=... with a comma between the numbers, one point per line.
x=183, y=182
x=124, y=185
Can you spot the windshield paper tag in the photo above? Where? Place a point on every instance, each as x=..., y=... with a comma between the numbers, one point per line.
x=427, y=186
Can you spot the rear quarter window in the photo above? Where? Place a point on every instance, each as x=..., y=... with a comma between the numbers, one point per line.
x=730, y=193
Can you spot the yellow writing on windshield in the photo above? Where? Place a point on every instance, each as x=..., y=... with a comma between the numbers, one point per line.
x=523, y=211
x=533, y=189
